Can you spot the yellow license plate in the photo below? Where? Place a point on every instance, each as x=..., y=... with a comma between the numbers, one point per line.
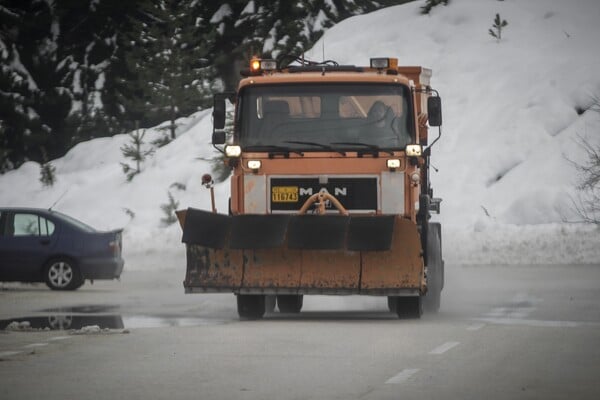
x=284, y=194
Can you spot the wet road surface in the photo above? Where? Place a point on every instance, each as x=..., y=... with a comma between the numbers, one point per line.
x=502, y=332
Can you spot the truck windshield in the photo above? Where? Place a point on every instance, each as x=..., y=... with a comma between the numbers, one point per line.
x=318, y=117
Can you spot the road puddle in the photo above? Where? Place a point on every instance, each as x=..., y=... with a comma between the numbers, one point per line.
x=103, y=316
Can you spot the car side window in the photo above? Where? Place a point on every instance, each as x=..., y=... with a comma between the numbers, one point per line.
x=47, y=227
x=31, y=225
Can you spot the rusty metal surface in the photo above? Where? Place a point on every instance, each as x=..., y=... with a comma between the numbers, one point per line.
x=213, y=268
x=272, y=268
x=399, y=267
x=330, y=269
x=284, y=270
x=181, y=217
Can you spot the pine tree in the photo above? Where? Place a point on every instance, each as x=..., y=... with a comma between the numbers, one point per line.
x=56, y=62
x=496, y=30
x=136, y=152
x=429, y=4
x=170, y=78
x=47, y=174
x=169, y=209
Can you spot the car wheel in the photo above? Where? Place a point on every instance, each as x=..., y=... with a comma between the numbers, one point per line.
x=60, y=322
x=62, y=274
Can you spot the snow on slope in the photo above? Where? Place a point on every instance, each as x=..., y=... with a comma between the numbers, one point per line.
x=510, y=123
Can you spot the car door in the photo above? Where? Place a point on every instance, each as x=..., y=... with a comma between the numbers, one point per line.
x=27, y=241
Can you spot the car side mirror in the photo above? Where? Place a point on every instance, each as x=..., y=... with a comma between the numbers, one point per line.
x=219, y=113
x=434, y=111
x=218, y=137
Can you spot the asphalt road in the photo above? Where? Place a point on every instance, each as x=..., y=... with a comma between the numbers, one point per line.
x=523, y=332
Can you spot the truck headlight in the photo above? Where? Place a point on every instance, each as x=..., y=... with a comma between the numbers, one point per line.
x=393, y=163
x=254, y=164
x=233, y=151
x=413, y=150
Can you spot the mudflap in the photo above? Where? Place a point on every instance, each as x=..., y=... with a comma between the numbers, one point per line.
x=302, y=254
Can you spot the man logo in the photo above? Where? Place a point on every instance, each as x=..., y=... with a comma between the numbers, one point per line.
x=338, y=191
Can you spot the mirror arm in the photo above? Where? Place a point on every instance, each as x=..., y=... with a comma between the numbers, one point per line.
x=427, y=151
x=222, y=151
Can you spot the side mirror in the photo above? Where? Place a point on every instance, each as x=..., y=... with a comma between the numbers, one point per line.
x=434, y=111
x=218, y=137
x=219, y=113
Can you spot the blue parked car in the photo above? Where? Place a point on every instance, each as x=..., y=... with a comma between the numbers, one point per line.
x=38, y=245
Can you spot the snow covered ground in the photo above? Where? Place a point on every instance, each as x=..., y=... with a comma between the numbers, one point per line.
x=513, y=112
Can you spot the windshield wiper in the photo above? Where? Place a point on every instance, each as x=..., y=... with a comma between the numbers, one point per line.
x=321, y=145
x=273, y=149
x=374, y=148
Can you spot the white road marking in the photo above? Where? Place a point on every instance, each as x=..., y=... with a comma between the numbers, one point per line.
x=475, y=327
x=444, y=348
x=9, y=353
x=532, y=322
x=510, y=312
x=60, y=338
x=402, y=376
x=35, y=345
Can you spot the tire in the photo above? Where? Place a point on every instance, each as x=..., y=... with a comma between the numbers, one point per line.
x=62, y=274
x=409, y=307
x=435, y=269
x=270, y=303
x=392, y=303
x=60, y=322
x=251, y=306
x=290, y=303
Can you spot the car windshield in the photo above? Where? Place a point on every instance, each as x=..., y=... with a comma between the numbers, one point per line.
x=73, y=221
x=320, y=117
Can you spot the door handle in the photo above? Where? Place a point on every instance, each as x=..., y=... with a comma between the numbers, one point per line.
x=45, y=241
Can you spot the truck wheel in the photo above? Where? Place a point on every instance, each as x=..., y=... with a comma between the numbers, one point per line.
x=290, y=303
x=435, y=269
x=392, y=303
x=270, y=302
x=409, y=307
x=251, y=306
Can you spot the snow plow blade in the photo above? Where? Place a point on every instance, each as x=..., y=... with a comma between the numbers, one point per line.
x=301, y=254
x=314, y=232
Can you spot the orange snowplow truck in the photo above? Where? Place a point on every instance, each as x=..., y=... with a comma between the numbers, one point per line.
x=330, y=190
